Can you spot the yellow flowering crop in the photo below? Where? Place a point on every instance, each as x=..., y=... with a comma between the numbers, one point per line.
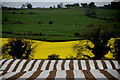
x=64, y=49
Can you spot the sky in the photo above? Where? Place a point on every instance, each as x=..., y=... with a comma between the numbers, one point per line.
x=57, y=0
x=48, y=3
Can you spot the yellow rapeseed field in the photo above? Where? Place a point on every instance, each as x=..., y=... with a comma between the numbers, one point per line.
x=64, y=49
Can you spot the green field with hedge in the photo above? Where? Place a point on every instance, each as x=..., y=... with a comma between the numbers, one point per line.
x=55, y=24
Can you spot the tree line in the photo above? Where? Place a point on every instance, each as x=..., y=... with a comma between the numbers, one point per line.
x=113, y=5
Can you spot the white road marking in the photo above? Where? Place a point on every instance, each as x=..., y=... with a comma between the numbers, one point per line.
x=6, y=64
x=66, y=65
x=52, y=65
x=75, y=64
x=29, y=65
x=83, y=65
x=20, y=65
x=108, y=64
x=58, y=66
x=99, y=64
x=44, y=65
x=36, y=65
x=13, y=65
x=91, y=63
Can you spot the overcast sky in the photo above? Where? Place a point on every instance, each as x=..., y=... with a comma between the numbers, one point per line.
x=57, y=0
x=48, y=3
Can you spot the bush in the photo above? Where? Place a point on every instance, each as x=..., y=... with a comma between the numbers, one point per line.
x=50, y=22
x=53, y=57
x=5, y=19
x=40, y=34
x=90, y=12
x=77, y=34
x=18, y=49
x=29, y=33
x=14, y=12
x=39, y=22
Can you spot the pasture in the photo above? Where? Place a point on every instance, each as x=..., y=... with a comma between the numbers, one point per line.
x=35, y=23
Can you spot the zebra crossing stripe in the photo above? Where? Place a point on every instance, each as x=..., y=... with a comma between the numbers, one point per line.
x=78, y=74
x=116, y=64
x=1, y=61
x=69, y=75
x=34, y=75
x=40, y=65
x=63, y=74
x=48, y=65
x=108, y=64
x=97, y=74
x=36, y=65
x=7, y=68
x=66, y=65
x=99, y=64
x=60, y=74
x=91, y=63
x=25, y=75
x=8, y=75
x=52, y=65
x=6, y=64
x=44, y=65
x=113, y=73
x=51, y=75
x=13, y=65
x=83, y=65
x=17, y=65
x=44, y=74
x=108, y=75
x=20, y=66
x=32, y=65
x=29, y=65
x=58, y=66
x=75, y=65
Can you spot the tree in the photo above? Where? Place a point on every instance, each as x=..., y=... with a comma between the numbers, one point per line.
x=29, y=6
x=23, y=6
x=92, y=5
x=18, y=48
x=90, y=12
x=117, y=49
x=60, y=5
x=99, y=36
x=84, y=4
x=53, y=57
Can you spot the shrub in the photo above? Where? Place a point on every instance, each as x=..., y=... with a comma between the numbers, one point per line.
x=50, y=22
x=29, y=33
x=5, y=19
x=53, y=57
x=40, y=34
x=14, y=12
x=90, y=12
x=77, y=34
x=39, y=22
x=18, y=49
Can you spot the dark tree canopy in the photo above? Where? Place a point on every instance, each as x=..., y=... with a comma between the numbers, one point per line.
x=117, y=49
x=18, y=48
x=53, y=57
x=84, y=4
x=99, y=36
x=29, y=6
x=92, y=5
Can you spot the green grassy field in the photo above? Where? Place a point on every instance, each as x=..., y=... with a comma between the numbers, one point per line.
x=65, y=22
